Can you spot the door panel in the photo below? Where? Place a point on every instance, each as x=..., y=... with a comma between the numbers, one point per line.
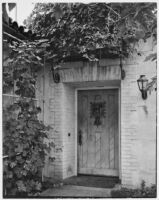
x=98, y=132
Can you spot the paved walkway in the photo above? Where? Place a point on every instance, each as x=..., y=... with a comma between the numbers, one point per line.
x=76, y=191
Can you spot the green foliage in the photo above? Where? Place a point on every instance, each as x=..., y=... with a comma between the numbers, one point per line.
x=142, y=192
x=23, y=143
x=152, y=85
x=80, y=29
x=25, y=140
x=66, y=29
x=151, y=57
x=23, y=62
x=85, y=29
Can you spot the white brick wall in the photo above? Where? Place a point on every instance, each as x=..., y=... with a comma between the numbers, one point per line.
x=137, y=117
x=51, y=115
x=68, y=125
x=128, y=123
x=138, y=123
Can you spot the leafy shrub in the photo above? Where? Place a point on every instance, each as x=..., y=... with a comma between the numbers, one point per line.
x=24, y=144
x=25, y=139
x=143, y=191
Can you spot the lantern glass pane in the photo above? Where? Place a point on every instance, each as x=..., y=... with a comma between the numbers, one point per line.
x=140, y=85
x=144, y=84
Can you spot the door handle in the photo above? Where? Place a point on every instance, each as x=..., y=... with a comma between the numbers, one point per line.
x=80, y=137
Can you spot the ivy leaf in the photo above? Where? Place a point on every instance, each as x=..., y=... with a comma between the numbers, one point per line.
x=21, y=186
x=24, y=153
x=8, y=185
x=44, y=45
x=13, y=164
x=139, y=34
x=5, y=162
x=38, y=186
x=24, y=172
x=52, y=144
x=19, y=149
x=10, y=174
x=152, y=57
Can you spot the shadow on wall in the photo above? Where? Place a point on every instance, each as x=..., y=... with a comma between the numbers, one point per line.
x=69, y=170
x=145, y=109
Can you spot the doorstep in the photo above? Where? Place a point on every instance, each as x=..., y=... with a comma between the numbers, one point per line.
x=92, y=181
x=77, y=191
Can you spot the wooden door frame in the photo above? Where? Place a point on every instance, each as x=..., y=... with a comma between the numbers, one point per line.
x=119, y=121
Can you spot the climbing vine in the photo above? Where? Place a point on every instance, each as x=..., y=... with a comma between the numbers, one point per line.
x=25, y=140
x=84, y=29
x=65, y=30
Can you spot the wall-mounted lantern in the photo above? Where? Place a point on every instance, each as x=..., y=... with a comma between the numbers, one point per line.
x=142, y=84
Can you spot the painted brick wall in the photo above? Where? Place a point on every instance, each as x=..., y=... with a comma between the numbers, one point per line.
x=49, y=96
x=138, y=122
x=137, y=117
x=68, y=125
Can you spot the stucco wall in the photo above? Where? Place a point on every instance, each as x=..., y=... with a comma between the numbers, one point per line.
x=137, y=116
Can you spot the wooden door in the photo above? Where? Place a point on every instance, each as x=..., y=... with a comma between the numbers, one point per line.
x=98, y=132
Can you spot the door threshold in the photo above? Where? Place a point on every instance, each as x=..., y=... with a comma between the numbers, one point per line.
x=92, y=181
x=96, y=175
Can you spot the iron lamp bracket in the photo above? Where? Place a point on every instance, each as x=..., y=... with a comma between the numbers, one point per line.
x=55, y=74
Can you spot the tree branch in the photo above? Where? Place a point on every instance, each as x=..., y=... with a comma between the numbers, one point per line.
x=113, y=10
